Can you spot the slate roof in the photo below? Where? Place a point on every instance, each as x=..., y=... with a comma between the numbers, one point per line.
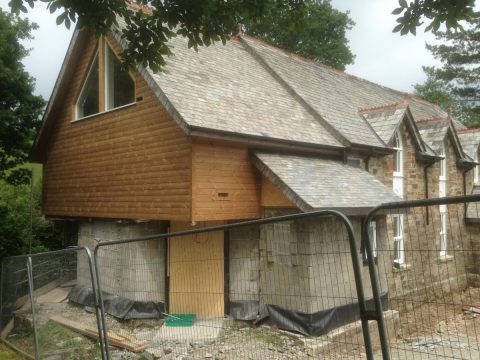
x=433, y=132
x=313, y=183
x=470, y=140
x=258, y=90
x=385, y=122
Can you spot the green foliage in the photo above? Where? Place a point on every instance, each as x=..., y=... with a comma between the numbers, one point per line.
x=148, y=30
x=456, y=85
x=448, y=12
x=19, y=108
x=311, y=28
x=16, y=215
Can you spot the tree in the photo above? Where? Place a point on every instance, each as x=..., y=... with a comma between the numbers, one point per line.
x=309, y=28
x=448, y=12
x=19, y=109
x=148, y=24
x=456, y=84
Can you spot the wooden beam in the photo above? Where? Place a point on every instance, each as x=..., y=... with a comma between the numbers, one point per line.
x=120, y=341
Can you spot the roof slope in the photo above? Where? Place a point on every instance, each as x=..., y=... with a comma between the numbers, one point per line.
x=223, y=88
x=312, y=183
x=385, y=122
x=470, y=140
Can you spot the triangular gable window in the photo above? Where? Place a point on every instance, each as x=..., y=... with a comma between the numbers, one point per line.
x=88, y=101
x=117, y=90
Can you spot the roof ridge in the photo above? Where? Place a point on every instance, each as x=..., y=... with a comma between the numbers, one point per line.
x=383, y=107
x=467, y=130
x=290, y=53
x=432, y=120
x=334, y=132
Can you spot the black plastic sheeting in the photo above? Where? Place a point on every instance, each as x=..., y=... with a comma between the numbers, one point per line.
x=244, y=309
x=118, y=306
x=318, y=323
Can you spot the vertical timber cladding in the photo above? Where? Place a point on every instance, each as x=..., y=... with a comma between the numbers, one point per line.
x=196, y=271
x=225, y=185
x=133, y=162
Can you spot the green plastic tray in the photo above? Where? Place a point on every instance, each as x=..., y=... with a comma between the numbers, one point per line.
x=184, y=320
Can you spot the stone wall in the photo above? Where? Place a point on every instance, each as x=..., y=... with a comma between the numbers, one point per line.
x=306, y=266
x=135, y=271
x=425, y=274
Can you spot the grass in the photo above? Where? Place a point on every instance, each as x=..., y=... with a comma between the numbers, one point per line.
x=8, y=354
x=56, y=338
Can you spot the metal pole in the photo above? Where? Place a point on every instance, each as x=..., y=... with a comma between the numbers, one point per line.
x=374, y=279
x=99, y=299
x=359, y=285
x=99, y=311
x=32, y=301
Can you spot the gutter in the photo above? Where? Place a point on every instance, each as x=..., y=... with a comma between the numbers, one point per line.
x=261, y=142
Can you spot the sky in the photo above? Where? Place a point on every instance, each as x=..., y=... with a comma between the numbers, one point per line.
x=381, y=56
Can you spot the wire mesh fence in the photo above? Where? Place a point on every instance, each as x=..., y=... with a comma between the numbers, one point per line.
x=279, y=288
x=34, y=299
x=260, y=290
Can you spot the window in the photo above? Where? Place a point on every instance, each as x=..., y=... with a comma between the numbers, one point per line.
x=443, y=234
x=88, y=101
x=372, y=234
x=119, y=86
x=398, y=242
x=117, y=90
x=398, y=165
x=476, y=171
x=442, y=192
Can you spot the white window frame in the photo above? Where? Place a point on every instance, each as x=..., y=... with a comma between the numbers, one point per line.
x=443, y=234
x=398, y=239
x=108, y=105
x=398, y=159
x=77, y=117
x=476, y=172
x=442, y=192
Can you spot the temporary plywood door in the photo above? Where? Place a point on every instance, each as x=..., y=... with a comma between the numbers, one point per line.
x=196, y=272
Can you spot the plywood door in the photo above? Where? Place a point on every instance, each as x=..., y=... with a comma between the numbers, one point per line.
x=196, y=271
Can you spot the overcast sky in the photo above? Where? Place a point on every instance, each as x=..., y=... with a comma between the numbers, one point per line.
x=381, y=56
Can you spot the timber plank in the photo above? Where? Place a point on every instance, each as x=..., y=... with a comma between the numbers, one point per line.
x=92, y=332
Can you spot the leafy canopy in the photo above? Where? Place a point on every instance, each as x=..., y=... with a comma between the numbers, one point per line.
x=438, y=12
x=19, y=109
x=456, y=84
x=308, y=27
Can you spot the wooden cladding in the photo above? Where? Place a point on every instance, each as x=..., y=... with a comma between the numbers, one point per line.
x=272, y=197
x=134, y=162
x=225, y=184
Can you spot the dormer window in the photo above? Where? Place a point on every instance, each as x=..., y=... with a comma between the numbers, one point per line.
x=117, y=89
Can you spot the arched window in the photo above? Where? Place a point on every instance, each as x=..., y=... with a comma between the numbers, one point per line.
x=442, y=192
x=397, y=220
x=398, y=165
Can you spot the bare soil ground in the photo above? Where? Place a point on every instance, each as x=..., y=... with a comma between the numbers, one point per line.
x=441, y=329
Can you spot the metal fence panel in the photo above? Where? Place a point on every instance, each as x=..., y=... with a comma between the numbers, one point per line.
x=36, y=314
x=273, y=288
x=430, y=265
